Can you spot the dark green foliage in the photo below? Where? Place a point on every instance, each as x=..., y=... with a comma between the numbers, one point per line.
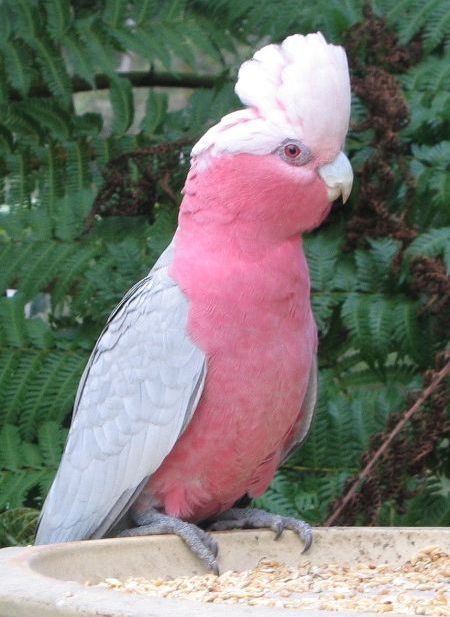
x=71, y=248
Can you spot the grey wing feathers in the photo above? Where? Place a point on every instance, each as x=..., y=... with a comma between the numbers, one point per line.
x=307, y=408
x=137, y=394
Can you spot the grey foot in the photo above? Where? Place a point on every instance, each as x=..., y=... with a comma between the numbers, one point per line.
x=200, y=543
x=251, y=518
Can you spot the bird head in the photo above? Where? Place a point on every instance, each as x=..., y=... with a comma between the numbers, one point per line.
x=281, y=158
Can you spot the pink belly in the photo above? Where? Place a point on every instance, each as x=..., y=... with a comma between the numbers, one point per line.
x=233, y=444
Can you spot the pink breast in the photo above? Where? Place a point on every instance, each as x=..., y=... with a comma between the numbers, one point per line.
x=259, y=338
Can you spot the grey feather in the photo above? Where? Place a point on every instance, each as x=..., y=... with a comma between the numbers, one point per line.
x=307, y=408
x=137, y=394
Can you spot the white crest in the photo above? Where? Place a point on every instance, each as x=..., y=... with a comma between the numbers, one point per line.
x=297, y=90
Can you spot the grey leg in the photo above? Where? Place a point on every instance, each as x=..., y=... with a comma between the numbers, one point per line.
x=200, y=543
x=251, y=518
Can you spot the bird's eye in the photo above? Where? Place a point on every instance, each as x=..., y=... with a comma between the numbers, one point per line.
x=292, y=151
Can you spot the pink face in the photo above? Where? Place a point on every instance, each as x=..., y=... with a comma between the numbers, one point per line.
x=279, y=194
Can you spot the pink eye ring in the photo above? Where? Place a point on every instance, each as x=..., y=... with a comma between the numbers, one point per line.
x=292, y=151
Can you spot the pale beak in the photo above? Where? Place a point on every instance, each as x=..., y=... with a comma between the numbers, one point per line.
x=338, y=177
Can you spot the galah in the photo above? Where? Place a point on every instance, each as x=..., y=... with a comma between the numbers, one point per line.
x=204, y=378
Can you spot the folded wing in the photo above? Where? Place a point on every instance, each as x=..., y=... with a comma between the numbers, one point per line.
x=137, y=394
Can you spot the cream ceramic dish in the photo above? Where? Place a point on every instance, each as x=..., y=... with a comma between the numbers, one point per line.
x=49, y=581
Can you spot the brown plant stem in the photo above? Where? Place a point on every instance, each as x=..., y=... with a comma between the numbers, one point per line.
x=384, y=446
x=138, y=79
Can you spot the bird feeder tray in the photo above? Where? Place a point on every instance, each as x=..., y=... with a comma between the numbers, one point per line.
x=51, y=581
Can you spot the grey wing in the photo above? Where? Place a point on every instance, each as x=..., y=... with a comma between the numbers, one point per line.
x=137, y=394
x=307, y=410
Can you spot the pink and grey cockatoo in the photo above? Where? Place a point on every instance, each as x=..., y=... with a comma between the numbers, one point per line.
x=204, y=378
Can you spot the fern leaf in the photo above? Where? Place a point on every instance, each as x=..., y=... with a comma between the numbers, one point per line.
x=77, y=166
x=432, y=244
x=18, y=121
x=416, y=19
x=179, y=44
x=51, y=115
x=121, y=96
x=74, y=266
x=38, y=385
x=53, y=180
x=115, y=12
x=406, y=330
x=155, y=112
x=71, y=212
x=17, y=385
x=58, y=18
x=10, y=457
x=27, y=17
x=6, y=140
x=355, y=316
x=15, y=487
x=53, y=70
x=12, y=313
x=38, y=333
x=12, y=258
x=17, y=526
x=37, y=274
x=381, y=312
x=98, y=44
x=51, y=439
x=17, y=65
x=142, y=10
x=321, y=252
x=69, y=376
x=5, y=21
x=79, y=59
x=437, y=26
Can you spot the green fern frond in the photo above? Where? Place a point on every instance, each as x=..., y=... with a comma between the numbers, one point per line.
x=155, y=112
x=53, y=70
x=51, y=181
x=77, y=166
x=19, y=122
x=121, y=95
x=35, y=275
x=51, y=115
x=355, y=313
x=79, y=60
x=12, y=314
x=6, y=19
x=10, y=441
x=18, y=67
x=437, y=26
x=51, y=440
x=71, y=212
x=435, y=243
x=115, y=12
x=143, y=10
x=27, y=22
x=6, y=140
x=17, y=526
x=58, y=18
x=17, y=477
x=98, y=43
x=417, y=17
x=322, y=252
x=406, y=330
x=41, y=387
x=432, y=75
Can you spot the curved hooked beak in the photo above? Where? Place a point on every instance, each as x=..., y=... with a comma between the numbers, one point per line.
x=338, y=177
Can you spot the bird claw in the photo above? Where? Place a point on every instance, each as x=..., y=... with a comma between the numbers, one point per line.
x=251, y=518
x=201, y=543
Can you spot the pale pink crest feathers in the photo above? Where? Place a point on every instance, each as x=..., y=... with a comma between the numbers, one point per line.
x=297, y=90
